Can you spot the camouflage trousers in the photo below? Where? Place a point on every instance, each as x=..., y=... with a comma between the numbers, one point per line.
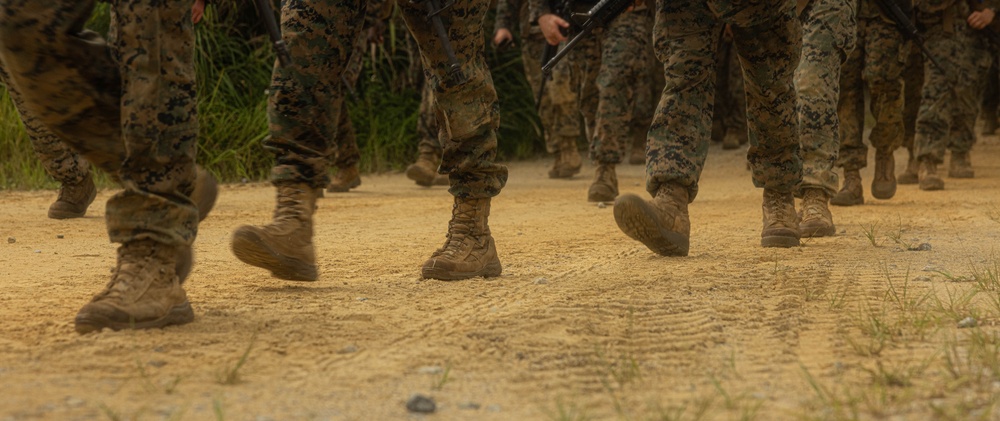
x=913, y=82
x=133, y=118
x=427, y=124
x=58, y=160
x=950, y=101
x=604, y=71
x=730, y=101
x=768, y=39
x=877, y=61
x=648, y=87
x=559, y=110
x=306, y=96
x=347, y=153
x=829, y=30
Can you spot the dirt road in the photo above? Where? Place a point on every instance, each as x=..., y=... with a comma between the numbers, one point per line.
x=583, y=324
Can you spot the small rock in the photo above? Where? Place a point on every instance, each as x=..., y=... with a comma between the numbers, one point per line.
x=421, y=404
x=362, y=298
x=157, y=363
x=966, y=323
x=601, y=205
x=430, y=369
x=350, y=349
x=11, y=240
x=468, y=405
x=541, y=281
x=922, y=279
x=921, y=247
x=38, y=251
x=60, y=236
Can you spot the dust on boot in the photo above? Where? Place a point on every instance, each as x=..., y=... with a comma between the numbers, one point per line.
x=815, y=217
x=604, y=188
x=960, y=165
x=284, y=246
x=781, y=223
x=74, y=199
x=884, y=183
x=929, y=178
x=568, y=160
x=469, y=250
x=144, y=292
x=661, y=224
x=851, y=193
x=346, y=179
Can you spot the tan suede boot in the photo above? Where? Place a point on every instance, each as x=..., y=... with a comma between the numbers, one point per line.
x=74, y=199
x=851, y=193
x=284, y=246
x=424, y=171
x=661, y=224
x=345, y=180
x=960, y=165
x=605, y=185
x=884, y=183
x=910, y=175
x=469, y=251
x=568, y=161
x=144, y=292
x=816, y=219
x=929, y=179
x=781, y=223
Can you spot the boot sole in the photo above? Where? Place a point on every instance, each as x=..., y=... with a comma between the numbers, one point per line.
x=823, y=231
x=883, y=192
x=56, y=214
x=178, y=315
x=846, y=202
x=490, y=270
x=340, y=188
x=961, y=175
x=779, y=241
x=419, y=176
x=253, y=250
x=932, y=186
x=639, y=222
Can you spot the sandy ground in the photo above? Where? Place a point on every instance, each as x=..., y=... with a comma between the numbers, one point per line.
x=583, y=324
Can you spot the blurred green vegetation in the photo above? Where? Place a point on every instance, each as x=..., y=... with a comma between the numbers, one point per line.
x=234, y=61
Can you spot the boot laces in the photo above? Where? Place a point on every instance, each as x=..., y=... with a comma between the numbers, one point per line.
x=289, y=199
x=130, y=274
x=777, y=206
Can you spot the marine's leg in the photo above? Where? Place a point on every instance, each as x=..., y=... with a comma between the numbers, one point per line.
x=853, y=154
x=424, y=171
x=304, y=106
x=913, y=80
x=469, y=118
x=885, y=58
x=348, y=154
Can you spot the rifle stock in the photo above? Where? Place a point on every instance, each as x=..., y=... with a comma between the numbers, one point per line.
x=280, y=49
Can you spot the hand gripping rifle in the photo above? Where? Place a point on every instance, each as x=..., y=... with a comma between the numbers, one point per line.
x=991, y=30
x=599, y=16
x=907, y=28
x=560, y=8
x=267, y=14
x=434, y=10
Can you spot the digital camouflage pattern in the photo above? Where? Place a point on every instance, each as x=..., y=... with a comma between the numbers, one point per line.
x=558, y=111
x=829, y=30
x=134, y=117
x=427, y=124
x=730, y=101
x=768, y=39
x=877, y=62
x=306, y=97
x=58, y=160
x=950, y=101
x=348, y=154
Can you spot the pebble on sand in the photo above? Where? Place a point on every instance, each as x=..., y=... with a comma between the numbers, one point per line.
x=421, y=404
x=966, y=323
x=11, y=240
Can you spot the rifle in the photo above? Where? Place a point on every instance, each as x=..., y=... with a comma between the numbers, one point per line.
x=434, y=10
x=908, y=29
x=598, y=16
x=991, y=30
x=267, y=14
x=561, y=9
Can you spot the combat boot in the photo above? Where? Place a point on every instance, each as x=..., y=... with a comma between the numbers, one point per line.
x=74, y=199
x=884, y=183
x=909, y=176
x=605, y=185
x=851, y=193
x=929, y=179
x=469, y=250
x=568, y=162
x=661, y=224
x=815, y=217
x=284, y=246
x=345, y=180
x=731, y=141
x=960, y=166
x=638, y=154
x=424, y=171
x=781, y=223
x=144, y=292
